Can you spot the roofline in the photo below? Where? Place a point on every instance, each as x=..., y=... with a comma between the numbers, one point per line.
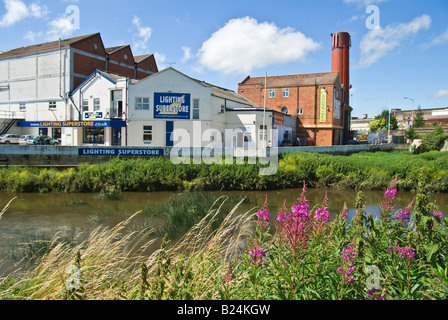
x=56, y=46
x=89, y=78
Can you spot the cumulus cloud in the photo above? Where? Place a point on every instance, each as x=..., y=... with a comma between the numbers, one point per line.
x=17, y=10
x=442, y=93
x=142, y=37
x=379, y=42
x=243, y=45
x=187, y=54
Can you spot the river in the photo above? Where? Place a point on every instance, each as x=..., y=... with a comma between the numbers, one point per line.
x=39, y=216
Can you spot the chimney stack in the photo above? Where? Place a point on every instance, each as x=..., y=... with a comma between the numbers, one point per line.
x=340, y=61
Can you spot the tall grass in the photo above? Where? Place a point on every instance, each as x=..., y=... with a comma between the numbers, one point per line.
x=300, y=255
x=365, y=171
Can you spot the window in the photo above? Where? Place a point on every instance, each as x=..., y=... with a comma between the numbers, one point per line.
x=299, y=111
x=263, y=133
x=22, y=107
x=94, y=135
x=285, y=93
x=96, y=104
x=52, y=105
x=85, y=105
x=147, y=134
x=141, y=103
x=195, y=109
x=272, y=93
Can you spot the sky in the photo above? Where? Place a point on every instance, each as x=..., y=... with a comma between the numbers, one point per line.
x=399, y=47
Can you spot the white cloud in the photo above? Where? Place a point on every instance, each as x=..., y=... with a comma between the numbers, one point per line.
x=187, y=54
x=243, y=45
x=61, y=27
x=142, y=37
x=442, y=93
x=17, y=10
x=379, y=42
x=441, y=38
x=160, y=60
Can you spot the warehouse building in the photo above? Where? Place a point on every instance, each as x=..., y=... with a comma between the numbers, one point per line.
x=36, y=81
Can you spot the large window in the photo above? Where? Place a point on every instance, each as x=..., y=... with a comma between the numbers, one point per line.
x=141, y=103
x=285, y=93
x=94, y=135
x=272, y=93
x=195, y=109
x=147, y=134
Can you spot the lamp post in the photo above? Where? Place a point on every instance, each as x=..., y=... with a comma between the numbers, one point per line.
x=412, y=109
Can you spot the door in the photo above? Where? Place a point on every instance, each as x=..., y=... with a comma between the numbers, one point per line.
x=116, y=136
x=169, y=133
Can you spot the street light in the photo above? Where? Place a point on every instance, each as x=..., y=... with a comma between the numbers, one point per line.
x=412, y=109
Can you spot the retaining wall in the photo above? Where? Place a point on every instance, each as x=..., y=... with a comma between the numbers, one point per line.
x=72, y=156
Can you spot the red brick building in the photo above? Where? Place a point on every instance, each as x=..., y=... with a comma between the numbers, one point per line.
x=315, y=99
x=319, y=100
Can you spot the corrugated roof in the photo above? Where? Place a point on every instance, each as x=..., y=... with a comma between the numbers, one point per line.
x=45, y=46
x=294, y=80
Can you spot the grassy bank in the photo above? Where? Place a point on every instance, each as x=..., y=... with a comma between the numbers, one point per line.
x=301, y=255
x=366, y=171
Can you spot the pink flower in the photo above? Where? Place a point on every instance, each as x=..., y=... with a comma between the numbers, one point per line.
x=438, y=214
x=263, y=213
x=256, y=254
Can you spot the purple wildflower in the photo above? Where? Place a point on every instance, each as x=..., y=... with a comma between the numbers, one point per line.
x=322, y=214
x=348, y=255
x=373, y=291
x=263, y=213
x=256, y=254
x=438, y=214
x=301, y=210
x=391, y=193
x=403, y=215
x=405, y=252
x=283, y=215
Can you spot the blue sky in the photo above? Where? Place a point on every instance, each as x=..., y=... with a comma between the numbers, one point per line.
x=222, y=42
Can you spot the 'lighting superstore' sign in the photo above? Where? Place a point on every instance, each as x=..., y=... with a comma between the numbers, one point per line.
x=172, y=105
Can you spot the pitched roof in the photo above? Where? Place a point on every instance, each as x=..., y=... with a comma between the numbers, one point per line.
x=139, y=59
x=115, y=49
x=294, y=80
x=45, y=46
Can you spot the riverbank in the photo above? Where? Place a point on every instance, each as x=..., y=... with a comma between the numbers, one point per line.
x=361, y=171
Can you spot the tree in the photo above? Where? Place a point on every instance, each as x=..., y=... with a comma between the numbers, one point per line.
x=385, y=115
x=410, y=133
x=419, y=120
x=434, y=140
x=377, y=125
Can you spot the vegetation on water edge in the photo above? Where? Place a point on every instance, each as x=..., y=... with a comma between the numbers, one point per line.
x=364, y=171
x=400, y=254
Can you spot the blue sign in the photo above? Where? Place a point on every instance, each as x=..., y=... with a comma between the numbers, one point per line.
x=172, y=105
x=73, y=124
x=148, y=152
x=93, y=115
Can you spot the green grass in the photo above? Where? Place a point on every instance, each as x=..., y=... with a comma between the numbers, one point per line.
x=365, y=171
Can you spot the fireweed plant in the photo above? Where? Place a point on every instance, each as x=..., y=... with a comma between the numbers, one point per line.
x=303, y=254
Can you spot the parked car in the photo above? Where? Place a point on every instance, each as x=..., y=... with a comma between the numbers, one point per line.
x=289, y=143
x=26, y=139
x=9, y=138
x=45, y=140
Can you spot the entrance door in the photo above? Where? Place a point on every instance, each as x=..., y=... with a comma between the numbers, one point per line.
x=117, y=104
x=116, y=136
x=169, y=132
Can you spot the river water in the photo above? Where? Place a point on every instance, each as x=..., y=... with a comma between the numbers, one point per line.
x=40, y=216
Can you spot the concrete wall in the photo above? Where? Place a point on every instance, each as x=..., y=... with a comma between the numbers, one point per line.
x=69, y=155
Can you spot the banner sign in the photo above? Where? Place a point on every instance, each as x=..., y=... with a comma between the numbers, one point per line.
x=337, y=109
x=149, y=152
x=171, y=105
x=323, y=105
x=93, y=115
x=279, y=119
x=73, y=124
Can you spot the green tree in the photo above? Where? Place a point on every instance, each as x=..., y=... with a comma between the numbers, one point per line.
x=419, y=120
x=385, y=115
x=377, y=125
x=435, y=139
x=410, y=133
